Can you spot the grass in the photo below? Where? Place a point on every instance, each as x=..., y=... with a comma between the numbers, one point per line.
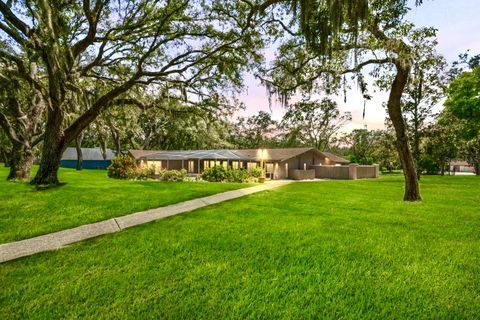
x=334, y=249
x=88, y=196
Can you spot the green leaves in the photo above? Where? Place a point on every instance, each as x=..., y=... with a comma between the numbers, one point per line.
x=464, y=96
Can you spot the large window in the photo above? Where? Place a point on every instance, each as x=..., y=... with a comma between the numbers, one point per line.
x=251, y=166
x=191, y=166
x=156, y=166
x=206, y=164
x=234, y=164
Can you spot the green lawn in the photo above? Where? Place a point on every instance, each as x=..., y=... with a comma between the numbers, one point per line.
x=333, y=249
x=87, y=197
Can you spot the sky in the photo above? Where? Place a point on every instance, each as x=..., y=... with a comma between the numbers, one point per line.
x=458, y=25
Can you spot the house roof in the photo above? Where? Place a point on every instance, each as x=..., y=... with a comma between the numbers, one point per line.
x=462, y=163
x=195, y=154
x=137, y=154
x=334, y=157
x=88, y=154
x=272, y=154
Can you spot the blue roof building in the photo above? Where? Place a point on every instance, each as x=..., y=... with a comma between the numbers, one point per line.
x=93, y=158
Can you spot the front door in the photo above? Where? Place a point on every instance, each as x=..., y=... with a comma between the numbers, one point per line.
x=269, y=170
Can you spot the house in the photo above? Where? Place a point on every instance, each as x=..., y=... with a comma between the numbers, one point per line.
x=93, y=158
x=282, y=163
x=461, y=166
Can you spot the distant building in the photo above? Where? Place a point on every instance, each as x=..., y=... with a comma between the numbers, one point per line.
x=92, y=158
x=461, y=166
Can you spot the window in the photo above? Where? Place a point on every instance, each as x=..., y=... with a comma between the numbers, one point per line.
x=304, y=166
x=191, y=166
x=269, y=167
x=234, y=164
x=251, y=166
x=286, y=170
x=206, y=164
x=225, y=164
x=156, y=166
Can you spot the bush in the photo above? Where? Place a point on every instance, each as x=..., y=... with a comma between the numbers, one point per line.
x=145, y=174
x=257, y=172
x=237, y=175
x=123, y=167
x=428, y=166
x=215, y=174
x=173, y=175
x=220, y=174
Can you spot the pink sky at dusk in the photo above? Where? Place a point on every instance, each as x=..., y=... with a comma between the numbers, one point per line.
x=457, y=23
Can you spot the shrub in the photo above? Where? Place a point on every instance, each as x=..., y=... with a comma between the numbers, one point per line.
x=215, y=174
x=173, y=175
x=123, y=167
x=220, y=174
x=145, y=174
x=237, y=175
x=257, y=172
x=428, y=166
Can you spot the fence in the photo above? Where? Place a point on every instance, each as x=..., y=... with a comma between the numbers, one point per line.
x=296, y=174
x=348, y=172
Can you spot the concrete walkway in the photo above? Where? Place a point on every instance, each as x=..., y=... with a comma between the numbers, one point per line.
x=57, y=240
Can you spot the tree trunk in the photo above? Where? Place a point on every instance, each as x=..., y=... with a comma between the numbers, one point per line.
x=477, y=168
x=116, y=138
x=412, y=191
x=20, y=163
x=78, y=147
x=416, y=143
x=53, y=147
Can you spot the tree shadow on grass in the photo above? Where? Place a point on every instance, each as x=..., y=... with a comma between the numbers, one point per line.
x=46, y=187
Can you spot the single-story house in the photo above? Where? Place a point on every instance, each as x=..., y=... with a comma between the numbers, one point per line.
x=93, y=158
x=282, y=163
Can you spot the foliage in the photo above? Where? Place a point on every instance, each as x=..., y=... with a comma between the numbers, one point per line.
x=372, y=146
x=215, y=174
x=21, y=119
x=123, y=167
x=238, y=175
x=429, y=165
x=100, y=55
x=462, y=112
x=257, y=172
x=314, y=123
x=256, y=131
x=441, y=145
x=222, y=174
x=464, y=100
x=172, y=175
x=382, y=42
